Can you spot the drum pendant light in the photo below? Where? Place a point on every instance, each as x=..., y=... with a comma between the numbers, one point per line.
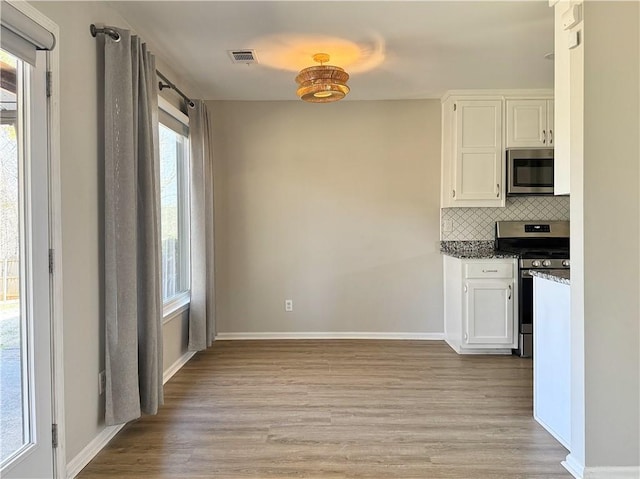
x=323, y=83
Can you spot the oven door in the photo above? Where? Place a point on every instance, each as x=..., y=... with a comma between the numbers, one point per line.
x=525, y=302
x=530, y=172
x=525, y=315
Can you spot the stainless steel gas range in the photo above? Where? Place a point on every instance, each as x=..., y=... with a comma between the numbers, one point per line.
x=539, y=245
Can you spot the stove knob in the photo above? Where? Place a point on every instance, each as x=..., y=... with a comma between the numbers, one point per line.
x=546, y=263
x=566, y=262
x=535, y=263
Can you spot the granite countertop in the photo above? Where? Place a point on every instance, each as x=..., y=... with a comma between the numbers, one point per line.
x=472, y=250
x=557, y=275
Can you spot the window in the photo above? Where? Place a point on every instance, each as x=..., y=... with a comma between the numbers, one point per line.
x=174, y=207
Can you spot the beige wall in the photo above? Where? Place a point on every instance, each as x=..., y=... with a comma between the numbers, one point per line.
x=576, y=177
x=176, y=338
x=335, y=206
x=612, y=233
x=605, y=239
x=82, y=252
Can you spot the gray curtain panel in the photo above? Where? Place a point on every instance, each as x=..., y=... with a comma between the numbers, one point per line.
x=133, y=303
x=202, y=325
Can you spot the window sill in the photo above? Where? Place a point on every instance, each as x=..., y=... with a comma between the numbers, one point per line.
x=175, y=307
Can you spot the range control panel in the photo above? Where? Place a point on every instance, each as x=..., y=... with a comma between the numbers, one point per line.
x=537, y=228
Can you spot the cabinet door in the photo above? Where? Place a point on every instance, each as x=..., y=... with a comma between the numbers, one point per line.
x=550, y=122
x=489, y=312
x=527, y=123
x=448, y=155
x=478, y=152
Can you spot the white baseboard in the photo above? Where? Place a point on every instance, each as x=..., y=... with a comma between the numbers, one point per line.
x=175, y=367
x=575, y=467
x=330, y=335
x=78, y=463
x=457, y=347
x=612, y=472
x=101, y=440
x=577, y=470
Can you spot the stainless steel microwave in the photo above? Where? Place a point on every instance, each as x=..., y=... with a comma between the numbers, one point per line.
x=530, y=171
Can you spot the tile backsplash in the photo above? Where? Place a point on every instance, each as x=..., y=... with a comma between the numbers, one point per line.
x=479, y=223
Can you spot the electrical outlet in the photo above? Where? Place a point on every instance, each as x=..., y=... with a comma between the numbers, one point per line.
x=288, y=305
x=102, y=382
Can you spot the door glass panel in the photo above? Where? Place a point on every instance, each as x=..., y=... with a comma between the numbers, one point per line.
x=14, y=410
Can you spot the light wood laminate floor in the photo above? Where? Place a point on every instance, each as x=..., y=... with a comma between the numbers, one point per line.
x=339, y=409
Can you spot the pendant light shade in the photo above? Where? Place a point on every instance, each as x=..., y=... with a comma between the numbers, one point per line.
x=323, y=83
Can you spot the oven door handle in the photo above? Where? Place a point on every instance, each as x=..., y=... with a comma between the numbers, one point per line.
x=525, y=274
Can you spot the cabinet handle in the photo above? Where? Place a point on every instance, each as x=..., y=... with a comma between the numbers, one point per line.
x=454, y=193
x=544, y=137
x=509, y=292
x=551, y=137
x=497, y=190
x=489, y=270
x=465, y=288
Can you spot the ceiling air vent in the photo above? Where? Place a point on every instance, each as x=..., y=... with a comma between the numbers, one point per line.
x=243, y=56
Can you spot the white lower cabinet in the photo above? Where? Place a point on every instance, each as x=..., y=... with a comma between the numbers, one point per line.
x=489, y=311
x=480, y=301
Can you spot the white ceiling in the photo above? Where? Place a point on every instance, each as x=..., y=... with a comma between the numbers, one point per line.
x=408, y=50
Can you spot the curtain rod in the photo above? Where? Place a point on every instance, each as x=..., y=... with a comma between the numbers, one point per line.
x=113, y=33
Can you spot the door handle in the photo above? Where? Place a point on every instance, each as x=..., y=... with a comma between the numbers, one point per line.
x=509, y=293
x=544, y=136
x=497, y=190
x=454, y=193
x=550, y=137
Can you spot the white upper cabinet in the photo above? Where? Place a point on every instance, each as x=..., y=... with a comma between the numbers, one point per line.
x=530, y=123
x=472, y=153
x=551, y=124
x=475, y=132
x=478, y=164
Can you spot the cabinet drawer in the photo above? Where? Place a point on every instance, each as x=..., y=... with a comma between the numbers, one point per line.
x=488, y=270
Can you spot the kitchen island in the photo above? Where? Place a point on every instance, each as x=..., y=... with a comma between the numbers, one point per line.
x=552, y=352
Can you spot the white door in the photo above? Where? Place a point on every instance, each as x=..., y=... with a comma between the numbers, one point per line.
x=489, y=311
x=478, y=165
x=26, y=448
x=527, y=124
x=550, y=121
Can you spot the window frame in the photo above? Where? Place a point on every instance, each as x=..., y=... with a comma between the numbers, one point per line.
x=179, y=303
